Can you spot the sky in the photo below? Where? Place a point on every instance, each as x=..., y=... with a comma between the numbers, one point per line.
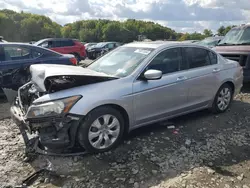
x=180, y=15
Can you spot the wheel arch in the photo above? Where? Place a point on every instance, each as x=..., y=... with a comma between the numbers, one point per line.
x=231, y=84
x=123, y=112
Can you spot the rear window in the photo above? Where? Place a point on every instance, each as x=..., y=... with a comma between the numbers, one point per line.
x=197, y=57
x=213, y=58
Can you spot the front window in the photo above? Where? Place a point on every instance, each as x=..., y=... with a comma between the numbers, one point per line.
x=121, y=62
x=39, y=43
x=236, y=36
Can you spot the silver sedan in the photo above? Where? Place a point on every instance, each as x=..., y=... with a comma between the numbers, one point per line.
x=132, y=86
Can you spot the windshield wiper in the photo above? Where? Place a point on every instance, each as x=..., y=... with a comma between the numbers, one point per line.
x=226, y=44
x=243, y=43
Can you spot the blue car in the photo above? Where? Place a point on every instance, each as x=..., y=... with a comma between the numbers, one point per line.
x=15, y=59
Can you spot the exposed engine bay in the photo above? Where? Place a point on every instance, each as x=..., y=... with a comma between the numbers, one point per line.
x=31, y=91
x=57, y=83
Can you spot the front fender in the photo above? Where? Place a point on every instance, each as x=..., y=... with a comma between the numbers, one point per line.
x=83, y=106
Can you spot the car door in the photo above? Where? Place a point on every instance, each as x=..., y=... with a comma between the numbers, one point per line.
x=15, y=66
x=158, y=99
x=203, y=76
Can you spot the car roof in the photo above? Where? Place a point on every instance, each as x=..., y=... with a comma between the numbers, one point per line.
x=243, y=26
x=16, y=43
x=157, y=44
x=107, y=42
x=58, y=39
x=28, y=45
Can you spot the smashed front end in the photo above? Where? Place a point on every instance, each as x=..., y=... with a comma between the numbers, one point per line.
x=50, y=122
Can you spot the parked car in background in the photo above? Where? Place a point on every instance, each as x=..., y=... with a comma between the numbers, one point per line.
x=64, y=46
x=101, y=48
x=132, y=86
x=32, y=42
x=210, y=42
x=1, y=39
x=16, y=58
x=236, y=46
x=190, y=41
x=88, y=45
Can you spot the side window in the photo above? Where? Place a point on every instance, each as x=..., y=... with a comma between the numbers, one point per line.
x=67, y=43
x=197, y=57
x=110, y=46
x=16, y=53
x=56, y=44
x=213, y=58
x=167, y=61
x=36, y=54
x=44, y=44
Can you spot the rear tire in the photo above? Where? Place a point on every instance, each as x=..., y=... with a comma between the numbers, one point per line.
x=223, y=99
x=101, y=130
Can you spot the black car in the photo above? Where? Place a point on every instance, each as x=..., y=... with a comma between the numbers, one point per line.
x=15, y=59
x=101, y=48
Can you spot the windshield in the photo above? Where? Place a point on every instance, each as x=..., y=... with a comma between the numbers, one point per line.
x=101, y=44
x=38, y=42
x=89, y=44
x=120, y=62
x=208, y=42
x=237, y=36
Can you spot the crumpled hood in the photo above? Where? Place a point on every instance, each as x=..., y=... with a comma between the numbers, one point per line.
x=41, y=72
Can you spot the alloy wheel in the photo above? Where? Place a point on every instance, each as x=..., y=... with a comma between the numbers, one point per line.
x=224, y=98
x=104, y=131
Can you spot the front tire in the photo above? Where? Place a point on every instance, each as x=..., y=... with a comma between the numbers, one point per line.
x=223, y=99
x=101, y=130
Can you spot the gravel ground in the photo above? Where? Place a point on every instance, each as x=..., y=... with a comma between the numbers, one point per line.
x=203, y=150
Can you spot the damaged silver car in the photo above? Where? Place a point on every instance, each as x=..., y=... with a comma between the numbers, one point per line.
x=134, y=85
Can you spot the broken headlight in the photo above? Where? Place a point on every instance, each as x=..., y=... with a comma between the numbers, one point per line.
x=52, y=108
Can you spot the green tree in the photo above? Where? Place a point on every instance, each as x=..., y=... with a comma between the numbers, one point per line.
x=112, y=32
x=35, y=27
x=207, y=32
x=27, y=26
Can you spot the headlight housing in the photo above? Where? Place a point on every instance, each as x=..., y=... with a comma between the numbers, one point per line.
x=52, y=108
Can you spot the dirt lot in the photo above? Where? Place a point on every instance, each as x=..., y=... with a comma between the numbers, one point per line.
x=204, y=150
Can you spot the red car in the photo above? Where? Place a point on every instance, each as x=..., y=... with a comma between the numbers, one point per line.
x=64, y=46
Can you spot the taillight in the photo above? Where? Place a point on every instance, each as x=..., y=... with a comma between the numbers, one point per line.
x=73, y=61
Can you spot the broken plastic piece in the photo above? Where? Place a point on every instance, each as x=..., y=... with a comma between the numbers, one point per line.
x=175, y=132
x=171, y=127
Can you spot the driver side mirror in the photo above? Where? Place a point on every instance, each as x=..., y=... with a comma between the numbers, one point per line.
x=152, y=74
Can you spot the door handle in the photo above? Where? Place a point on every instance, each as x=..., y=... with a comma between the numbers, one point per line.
x=216, y=70
x=181, y=78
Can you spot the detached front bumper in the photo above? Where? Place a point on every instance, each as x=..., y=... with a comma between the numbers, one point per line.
x=52, y=134
x=18, y=117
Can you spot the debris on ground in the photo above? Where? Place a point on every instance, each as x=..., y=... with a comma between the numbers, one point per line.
x=210, y=151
